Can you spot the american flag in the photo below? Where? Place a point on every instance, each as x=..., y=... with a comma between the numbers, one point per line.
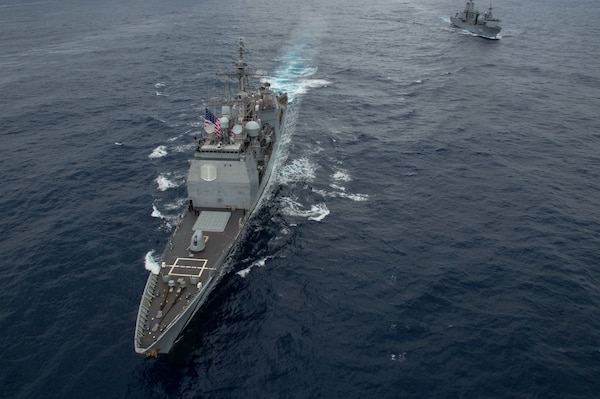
x=210, y=119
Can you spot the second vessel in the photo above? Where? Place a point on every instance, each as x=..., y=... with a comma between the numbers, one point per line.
x=484, y=25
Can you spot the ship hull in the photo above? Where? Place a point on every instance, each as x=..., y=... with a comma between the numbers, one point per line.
x=229, y=177
x=478, y=29
x=170, y=336
x=239, y=218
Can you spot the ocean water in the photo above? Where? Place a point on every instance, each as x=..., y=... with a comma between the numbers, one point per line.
x=433, y=232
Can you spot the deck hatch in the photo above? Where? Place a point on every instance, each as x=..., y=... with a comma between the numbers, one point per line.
x=212, y=221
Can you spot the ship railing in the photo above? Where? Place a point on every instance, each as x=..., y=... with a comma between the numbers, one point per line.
x=144, y=310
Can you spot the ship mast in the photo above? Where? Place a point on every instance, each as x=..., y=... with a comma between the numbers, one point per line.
x=243, y=95
x=241, y=70
x=243, y=84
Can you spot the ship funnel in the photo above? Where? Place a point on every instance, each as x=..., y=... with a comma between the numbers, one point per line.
x=197, y=242
x=252, y=128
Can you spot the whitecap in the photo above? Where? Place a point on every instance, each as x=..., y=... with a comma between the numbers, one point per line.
x=337, y=187
x=341, y=175
x=260, y=263
x=292, y=207
x=319, y=212
x=294, y=76
x=301, y=169
x=158, y=152
x=156, y=213
x=244, y=272
x=357, y=197
x=151, y=264
x=164, y=183
x=342, y=194
x=177, y=205
x=184, y=147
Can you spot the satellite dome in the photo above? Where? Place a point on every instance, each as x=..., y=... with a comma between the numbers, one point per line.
x=252, y=128
x=237, y=129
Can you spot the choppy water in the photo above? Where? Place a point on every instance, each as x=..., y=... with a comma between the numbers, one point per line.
x=433, y=232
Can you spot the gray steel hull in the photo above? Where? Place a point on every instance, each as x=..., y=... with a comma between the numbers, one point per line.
x=171, y=334
x=229, y=177
x=478, y=29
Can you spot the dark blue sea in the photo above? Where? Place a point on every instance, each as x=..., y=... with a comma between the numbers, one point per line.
x=433, y=231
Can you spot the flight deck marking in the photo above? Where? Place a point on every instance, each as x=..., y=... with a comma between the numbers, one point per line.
x=195, y=266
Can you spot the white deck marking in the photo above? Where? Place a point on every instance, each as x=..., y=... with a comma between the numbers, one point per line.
x=189, y=267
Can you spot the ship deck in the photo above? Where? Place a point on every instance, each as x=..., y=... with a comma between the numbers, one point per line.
x=220, y=227
x=183, y=273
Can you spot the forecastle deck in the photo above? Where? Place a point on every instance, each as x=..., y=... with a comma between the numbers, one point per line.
x=184, y=274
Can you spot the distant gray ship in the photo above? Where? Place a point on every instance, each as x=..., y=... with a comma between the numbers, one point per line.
x=482, y=25
x=230, y=173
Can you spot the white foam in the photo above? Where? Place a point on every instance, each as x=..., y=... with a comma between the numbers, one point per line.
x=295, y=87
x=260, y=263
x=307, y=84
x=176, y=206
x=343, y=194
x=159, y=86
x=338, y=177
x=184, y=147
x=341, y=175
x=399, y=357
x=156, y=213
x=179, y=136
x=244, y=272
x=158, y=152
x=169, y=220
x=318, y=211
x=301, y=169
x=294, y=76
x=151, y=264
x=292, y=207
x=337, y=187
x=357, y=197
x=164, y=183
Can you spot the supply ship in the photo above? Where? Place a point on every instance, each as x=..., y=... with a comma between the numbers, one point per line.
x=484, y=25
x=229, y=174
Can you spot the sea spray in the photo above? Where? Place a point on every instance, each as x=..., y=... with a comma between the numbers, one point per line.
x=151, y=264
x=158, y=152
x=156, y=213
x=259, y=263
x=164, y=183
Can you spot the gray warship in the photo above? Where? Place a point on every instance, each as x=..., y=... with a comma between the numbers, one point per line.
x=482, y=25
x=229, y=174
